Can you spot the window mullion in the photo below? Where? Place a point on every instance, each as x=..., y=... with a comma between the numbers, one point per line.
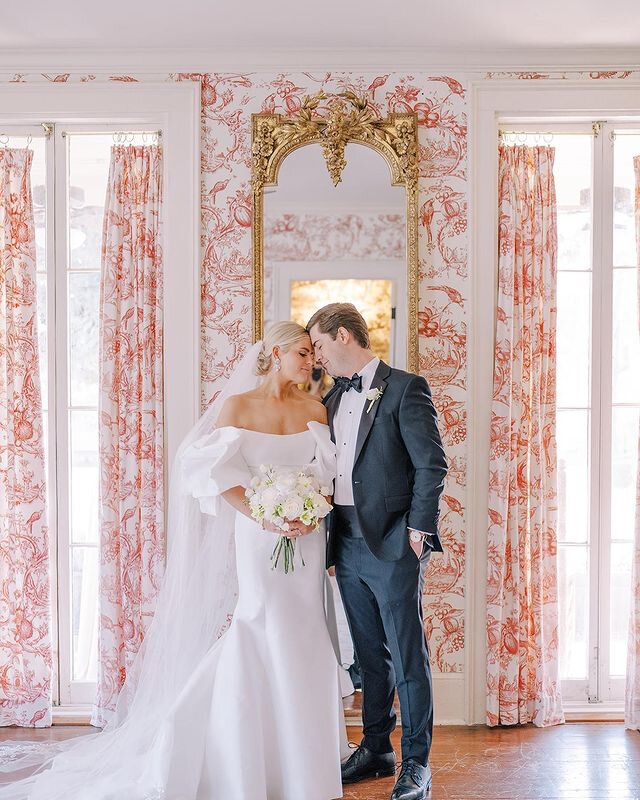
x=595, y=426
x=52, y=410
x=65, y=636
x=603, y=255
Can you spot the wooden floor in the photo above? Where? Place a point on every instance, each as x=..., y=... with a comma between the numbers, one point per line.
x=581, y=761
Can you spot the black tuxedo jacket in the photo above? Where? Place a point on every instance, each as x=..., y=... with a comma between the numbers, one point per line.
x=400, y=465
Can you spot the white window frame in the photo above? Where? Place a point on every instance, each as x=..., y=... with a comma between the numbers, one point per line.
x=572, y=102
x=174, y=109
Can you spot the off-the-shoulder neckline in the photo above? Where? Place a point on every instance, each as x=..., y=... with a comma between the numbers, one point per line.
x=266, y=433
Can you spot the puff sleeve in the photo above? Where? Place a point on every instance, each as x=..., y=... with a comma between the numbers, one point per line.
x=212, y=464
x=325, y=455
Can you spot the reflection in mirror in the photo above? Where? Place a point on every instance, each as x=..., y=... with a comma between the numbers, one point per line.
x=346, y=243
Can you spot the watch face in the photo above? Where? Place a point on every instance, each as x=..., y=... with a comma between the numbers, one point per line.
x=415, y=536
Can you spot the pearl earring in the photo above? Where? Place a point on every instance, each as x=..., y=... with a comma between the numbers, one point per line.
x=277, y=364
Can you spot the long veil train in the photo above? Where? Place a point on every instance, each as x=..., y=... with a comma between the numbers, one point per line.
x=194, y=608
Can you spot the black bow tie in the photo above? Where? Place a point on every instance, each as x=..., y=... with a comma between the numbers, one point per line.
x=354, y=382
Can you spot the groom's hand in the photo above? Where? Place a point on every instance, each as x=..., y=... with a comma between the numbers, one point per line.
x=419, y=545
x=416, y=547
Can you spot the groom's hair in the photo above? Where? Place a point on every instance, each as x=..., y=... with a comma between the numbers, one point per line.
x=341, y=315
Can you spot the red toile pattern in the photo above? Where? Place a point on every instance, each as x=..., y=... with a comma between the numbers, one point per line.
x=522, y=607
x=319, y=237
x=130, y=414
x=632, y=690
x=25, y=645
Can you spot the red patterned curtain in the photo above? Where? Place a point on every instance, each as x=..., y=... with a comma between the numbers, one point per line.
x=632, y=691
x=25, y=643
x=132, y=547
x=522, y=604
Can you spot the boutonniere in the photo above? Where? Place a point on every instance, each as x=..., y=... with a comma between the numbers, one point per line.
x=373, y=395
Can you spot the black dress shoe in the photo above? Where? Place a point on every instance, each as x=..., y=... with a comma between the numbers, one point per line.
x=413, y=782
x=363, y=764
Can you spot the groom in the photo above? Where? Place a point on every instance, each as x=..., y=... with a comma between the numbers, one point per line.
x=391, y=470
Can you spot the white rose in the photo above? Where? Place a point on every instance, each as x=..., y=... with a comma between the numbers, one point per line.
x=269, y=496
x=285, y=483
x=292, y=507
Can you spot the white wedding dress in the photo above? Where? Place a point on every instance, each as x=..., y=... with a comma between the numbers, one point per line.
x=262, y=718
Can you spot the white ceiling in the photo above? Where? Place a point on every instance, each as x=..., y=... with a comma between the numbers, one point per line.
x=333, y=25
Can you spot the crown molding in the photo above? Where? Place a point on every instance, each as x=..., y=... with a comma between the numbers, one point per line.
x=244, y=60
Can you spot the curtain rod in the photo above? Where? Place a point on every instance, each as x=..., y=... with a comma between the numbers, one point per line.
x=504, y=134
x=4, y=138
x=115, y=134
x=37, y=131
x=45, y=129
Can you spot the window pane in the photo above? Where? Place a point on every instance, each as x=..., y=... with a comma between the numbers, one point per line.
x=573, y=339
x=626, y=338
x=84, y=303
x=573, y=593
x=88, y=174
x=84, y=612
x=621, y=557
x=624, y=238
x=572, y=174
x=42, y=335
x=84, y=475
x=45, y=444
x=573, y=475
x=624, y=465
x=39, y=194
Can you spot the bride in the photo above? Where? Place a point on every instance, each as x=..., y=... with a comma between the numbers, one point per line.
x=235, y=693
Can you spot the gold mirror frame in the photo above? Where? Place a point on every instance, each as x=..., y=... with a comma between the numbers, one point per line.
x=333, y=121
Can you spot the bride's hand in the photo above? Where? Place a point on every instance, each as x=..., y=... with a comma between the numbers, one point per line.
x=298, y=528
x=269, y=526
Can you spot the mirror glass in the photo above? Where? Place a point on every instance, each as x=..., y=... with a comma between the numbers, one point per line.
x=346, y=243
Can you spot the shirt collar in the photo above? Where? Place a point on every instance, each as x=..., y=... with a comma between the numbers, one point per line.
x=368, y=371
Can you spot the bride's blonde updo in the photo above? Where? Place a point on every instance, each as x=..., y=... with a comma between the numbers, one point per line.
x=282, y=334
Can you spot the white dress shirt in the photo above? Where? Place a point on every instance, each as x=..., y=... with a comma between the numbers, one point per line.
x=346, y=422
x=345, y=427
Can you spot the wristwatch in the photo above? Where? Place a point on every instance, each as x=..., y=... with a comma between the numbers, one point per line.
x=416, y=536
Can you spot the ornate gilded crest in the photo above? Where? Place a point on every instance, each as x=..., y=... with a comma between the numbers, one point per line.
x=342, y=119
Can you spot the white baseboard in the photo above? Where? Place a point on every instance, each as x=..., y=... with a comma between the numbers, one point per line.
x=448, y=700
x=71, y=715
x=593, y=712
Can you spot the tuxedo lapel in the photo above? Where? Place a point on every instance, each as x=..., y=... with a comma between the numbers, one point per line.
x=366, y=420
x=331, y=403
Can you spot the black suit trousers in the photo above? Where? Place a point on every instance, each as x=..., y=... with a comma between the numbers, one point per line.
x=382, y=600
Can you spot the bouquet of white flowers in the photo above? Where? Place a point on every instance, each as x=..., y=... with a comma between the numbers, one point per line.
x=280, y=495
